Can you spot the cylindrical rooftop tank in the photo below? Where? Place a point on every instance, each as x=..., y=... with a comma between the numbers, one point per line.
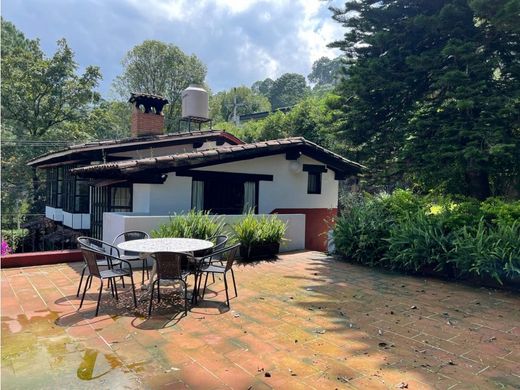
x=195, y=102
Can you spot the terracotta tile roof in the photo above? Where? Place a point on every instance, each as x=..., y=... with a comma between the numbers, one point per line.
x=125, y=142
x=220, y=155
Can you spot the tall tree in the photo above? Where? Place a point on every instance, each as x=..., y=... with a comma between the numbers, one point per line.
x=263, y=87
x=41, y=96
x=162, y=69
x=326, y=72
x=287, y=90
x=432, y=96
x=240, y=100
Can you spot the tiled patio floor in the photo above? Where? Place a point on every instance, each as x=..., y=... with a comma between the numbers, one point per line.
x=304, y=321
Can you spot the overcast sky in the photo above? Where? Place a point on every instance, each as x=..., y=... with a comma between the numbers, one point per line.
x=240, y=41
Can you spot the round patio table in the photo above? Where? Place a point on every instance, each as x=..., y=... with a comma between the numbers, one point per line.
x=152, y=245
x=177, y=245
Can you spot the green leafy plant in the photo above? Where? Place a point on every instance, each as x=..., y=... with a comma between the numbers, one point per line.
x=446, y=235
x=14, y=237
x=195, y=224
x=488, y=251
x=259, y=230
x=419, y=243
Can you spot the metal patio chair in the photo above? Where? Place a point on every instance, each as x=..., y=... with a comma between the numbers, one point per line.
x=104, y=255
x=91, y=259
x=225, y=257
x=134, y=256
x=170, y=266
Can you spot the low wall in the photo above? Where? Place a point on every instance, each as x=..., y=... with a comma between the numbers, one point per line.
x=116, y=223
x=41, y=258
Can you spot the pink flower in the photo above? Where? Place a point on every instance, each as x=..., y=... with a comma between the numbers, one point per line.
x=6, y=249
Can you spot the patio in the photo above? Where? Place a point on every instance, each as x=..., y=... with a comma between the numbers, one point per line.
x=303, y=321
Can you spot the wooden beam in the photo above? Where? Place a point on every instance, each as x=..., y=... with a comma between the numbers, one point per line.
x=225, y=175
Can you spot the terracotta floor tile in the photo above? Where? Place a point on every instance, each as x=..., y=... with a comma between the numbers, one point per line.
x=306, y=320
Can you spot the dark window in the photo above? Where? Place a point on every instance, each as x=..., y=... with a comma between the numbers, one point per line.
x=224, y=196
x=60, y=184
x=51, y=187
x=117, y=198
x=76, y=197
x=314, y=180
x=314, y=183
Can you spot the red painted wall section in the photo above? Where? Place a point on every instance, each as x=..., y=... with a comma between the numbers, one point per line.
x=317, y=224
x=41, y=258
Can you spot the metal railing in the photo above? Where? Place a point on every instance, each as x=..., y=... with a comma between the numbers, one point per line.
x=34, y=233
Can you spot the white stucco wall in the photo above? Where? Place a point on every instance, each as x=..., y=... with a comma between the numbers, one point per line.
x=54, y=213
x=76, y=220
x=287, y=190
x=173, y=196
x=115, y=223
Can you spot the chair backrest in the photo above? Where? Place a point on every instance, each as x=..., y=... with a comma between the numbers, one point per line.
x=220, y=242
x=169, y=264
x=98, y=246
x=227, y=255
x=131, y=235
x=90, y=257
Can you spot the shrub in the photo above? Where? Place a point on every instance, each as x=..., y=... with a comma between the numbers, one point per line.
x=444, y=234
x=263, y=230
x=362, y=229
x=419, y=243
x=6, y=249
x=195, y=224
x=14, y=237
x=488, y=251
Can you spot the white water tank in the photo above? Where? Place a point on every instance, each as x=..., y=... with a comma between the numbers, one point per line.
x=195, y=102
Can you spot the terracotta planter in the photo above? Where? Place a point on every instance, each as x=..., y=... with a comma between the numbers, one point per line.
x=256, y=251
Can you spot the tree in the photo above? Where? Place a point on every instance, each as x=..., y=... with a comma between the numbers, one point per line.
x=326, y=72
x=287, y=90
x=263, y=87
x=161, y=69
x=432, y=95
x=222, y=104
x=41, y=96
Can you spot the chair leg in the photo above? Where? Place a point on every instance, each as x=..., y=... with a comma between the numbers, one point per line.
x=158, y=290
x=234, y=283
x=142, y=279
x=205, y=284
x=151, y=300
x=111, y=284
x=227, y=294
x=185, y=298
x=195, y=289
x=133, y=290
x=85, y=290
x=81, y=279
x=99, y=297
x=115, y=288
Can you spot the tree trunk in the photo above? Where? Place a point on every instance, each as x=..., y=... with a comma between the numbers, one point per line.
x=478, y=184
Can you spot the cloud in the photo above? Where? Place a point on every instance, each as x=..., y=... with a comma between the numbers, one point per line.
x=240, y=41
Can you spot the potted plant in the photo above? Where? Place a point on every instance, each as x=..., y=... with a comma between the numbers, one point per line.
x=195, y=224
x=259, y=236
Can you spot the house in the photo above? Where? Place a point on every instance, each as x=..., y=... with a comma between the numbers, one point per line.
x=153, y=174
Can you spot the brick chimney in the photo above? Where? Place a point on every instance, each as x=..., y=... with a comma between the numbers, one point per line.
x=147, y=115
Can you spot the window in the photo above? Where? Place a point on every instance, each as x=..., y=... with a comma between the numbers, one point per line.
x=60, y=187
x=314, y=177
x=116, y=198
x=224, y=196
x=314, y=183
x=225, y=192
x=76, y=196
